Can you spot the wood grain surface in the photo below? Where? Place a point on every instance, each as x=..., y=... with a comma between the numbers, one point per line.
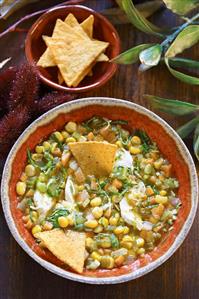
x=178, y=278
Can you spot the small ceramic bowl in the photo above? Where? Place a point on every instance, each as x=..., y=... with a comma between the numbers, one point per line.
x=103, y=30
x=138, y=117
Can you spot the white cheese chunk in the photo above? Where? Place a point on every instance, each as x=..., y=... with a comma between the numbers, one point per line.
x=43, y=203
x=124, y=159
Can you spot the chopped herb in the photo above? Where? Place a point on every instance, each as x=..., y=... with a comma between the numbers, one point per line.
x=59, y=143
x=146, y=141
x=114, y=241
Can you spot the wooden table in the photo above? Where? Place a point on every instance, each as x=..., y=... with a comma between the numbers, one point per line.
x=178, y=278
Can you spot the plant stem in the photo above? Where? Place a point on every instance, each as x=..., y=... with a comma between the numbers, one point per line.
x=172, y=36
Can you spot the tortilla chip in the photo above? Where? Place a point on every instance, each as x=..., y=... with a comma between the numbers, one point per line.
x=47, y=60
x=87, y=25
x=60, y=78
x=68, y=247
x=72, y=22
x=94, y=158
x=74, y=56
x=102, y=57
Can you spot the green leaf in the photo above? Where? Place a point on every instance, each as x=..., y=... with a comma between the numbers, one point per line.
x=146, y=9
x=181, y=7
x=173, y=107
x=196, y=142
x=130, y=56
x=186, y=129
x=184, y=63
x=151, y=56
x=185, y=39
x=181, y=76
x=114, y=241
x=7, y=7
x=137, y=19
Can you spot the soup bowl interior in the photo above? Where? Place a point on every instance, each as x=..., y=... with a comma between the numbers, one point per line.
x=138, y=117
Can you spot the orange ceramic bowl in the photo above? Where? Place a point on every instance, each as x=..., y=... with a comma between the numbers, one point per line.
x=103, y=30
x=138, y=117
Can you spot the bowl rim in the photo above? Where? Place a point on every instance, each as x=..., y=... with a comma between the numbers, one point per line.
x=66, y=108
x=105, y=77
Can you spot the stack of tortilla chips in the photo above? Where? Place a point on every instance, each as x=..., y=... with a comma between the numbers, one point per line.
x=72, y=49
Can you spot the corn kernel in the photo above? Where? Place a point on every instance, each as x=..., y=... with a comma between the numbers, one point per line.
x=127, y=245
x=126, y=230
x=70, y=139
x=29, y=224
x=21, y=188
x=158, y=163
x=63, y=221
x=89, y=242
x=91, y=223
x=134, y=150
x=108, y=212
x=161, y=199
x=118, y=143
x=97, y=212
x=113, y=221
x=58, y=136
x=81, y=188
x=140, y=242
x=163, y=192
x=95, y=202
x=39, y=149
x=23, y=177
x=96, y=256
x=136, y=140
x=105, y=244
x=90, y=136
x=118, y=230
x=30, y=193
x=30, y=170
x=103, y=221
x=107, y=262
x=98, y=229
x=117, y=215
x=127, y=239
x=64, y=134
x=119, y=260
x=71, y=127
x=141, y=251
x=46, y=145
x=36, y=229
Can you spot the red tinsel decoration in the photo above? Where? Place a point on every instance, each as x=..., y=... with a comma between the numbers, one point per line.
x=24, y=88
x=20, y=91
x=11, y=126
x=51, y=100
x=6, y=81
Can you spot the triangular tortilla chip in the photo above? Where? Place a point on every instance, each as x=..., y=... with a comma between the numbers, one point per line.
x=47, y=60
x=68, y=247
x=72, y=21
x=94, y=158
x=73, y=56
x=87, y=25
